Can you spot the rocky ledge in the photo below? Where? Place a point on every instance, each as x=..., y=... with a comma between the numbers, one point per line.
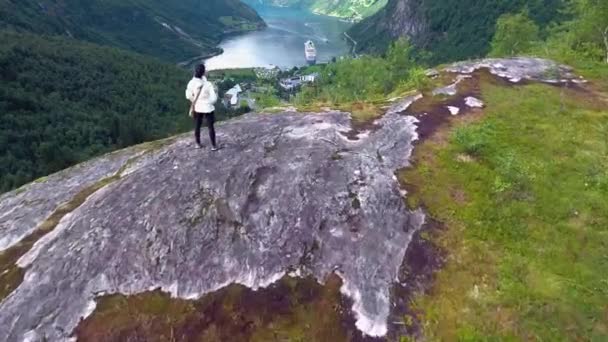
x=287, y=193
x=291, y=193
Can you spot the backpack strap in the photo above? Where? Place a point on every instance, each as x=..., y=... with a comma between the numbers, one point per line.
x=200, y=90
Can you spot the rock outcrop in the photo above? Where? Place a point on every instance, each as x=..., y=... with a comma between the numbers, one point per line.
x=288, y=192
x=518, y=69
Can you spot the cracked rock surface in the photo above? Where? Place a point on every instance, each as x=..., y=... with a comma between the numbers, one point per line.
x=288, y=192
x=21, y=211
x=517, y=69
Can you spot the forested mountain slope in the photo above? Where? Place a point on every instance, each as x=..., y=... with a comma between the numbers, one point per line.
x=450, y=29
x=353, y=9
x=171, y=30
x=64, y=101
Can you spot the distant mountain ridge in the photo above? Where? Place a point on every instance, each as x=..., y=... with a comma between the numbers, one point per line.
x=170, y=30
x=352, y=9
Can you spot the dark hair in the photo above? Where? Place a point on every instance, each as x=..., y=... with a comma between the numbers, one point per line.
x=199, y=72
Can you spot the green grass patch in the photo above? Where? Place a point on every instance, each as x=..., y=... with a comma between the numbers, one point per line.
x=266, y=100
x=239, y=74
x=528, y=239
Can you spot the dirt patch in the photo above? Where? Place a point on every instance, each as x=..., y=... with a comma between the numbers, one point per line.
x=588, y=94
x=416, y=274
x=363, y=117
x=293, y=309
x=424, y=258
x=433, y=110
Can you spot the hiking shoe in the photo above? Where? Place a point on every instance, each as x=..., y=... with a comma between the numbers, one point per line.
x=215, y=148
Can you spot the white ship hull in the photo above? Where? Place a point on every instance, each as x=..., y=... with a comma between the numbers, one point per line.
x=310, y=52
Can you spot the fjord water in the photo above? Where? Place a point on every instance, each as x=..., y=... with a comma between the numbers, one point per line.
x=282, y=42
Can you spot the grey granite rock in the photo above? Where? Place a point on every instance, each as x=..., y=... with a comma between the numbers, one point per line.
x=473, y=102
x=287, y=192
x=451, y=89
x=518, y=68
x=403, y=104
x=22, y=210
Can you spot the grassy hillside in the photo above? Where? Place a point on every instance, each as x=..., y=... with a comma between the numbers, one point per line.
x=521, y=190
x=171, y=30
x=63, y=101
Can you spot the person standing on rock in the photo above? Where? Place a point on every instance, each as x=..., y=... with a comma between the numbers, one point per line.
x=201, y=93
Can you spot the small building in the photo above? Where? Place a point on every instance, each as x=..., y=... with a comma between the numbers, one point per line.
x=291, y=83
x=310, y=78
x=231, y=98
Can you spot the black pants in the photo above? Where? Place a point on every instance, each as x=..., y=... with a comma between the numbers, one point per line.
x=198, y=121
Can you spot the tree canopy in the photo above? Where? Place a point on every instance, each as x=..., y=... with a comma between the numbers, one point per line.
x=64, y=101
x=515, y=33
x=170, y=30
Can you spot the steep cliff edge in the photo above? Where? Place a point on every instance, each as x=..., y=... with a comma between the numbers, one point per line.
x=298, y=194
x=285, y=188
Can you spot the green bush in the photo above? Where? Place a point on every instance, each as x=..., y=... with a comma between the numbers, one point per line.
x=367, y=78
x=515, y=33
x=473, y=140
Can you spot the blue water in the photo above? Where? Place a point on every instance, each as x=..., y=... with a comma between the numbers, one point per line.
x=282, y=42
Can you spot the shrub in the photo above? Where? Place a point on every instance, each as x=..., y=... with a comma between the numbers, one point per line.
x=473, y=140
x=515, y=33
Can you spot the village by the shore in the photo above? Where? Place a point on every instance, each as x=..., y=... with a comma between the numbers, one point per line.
x=243, y=90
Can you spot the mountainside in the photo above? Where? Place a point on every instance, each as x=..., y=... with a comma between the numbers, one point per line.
x=399, y=18
x=171, y=30
x=319, y=213
x=352, y=9
x=64, y=101
x=449, y=29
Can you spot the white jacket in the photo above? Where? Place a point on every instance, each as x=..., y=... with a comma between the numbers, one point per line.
x=206, y=99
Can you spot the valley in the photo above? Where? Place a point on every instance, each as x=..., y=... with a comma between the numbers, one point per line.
x=281, y=43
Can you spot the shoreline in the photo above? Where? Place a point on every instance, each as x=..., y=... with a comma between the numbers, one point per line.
x=187, y=63
x=218, y=50
x=353, y=45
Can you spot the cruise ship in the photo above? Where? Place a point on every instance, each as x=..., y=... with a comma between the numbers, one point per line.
x=311, y=52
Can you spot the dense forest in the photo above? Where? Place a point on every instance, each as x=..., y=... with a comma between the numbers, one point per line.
x=64, y=101
x=171, y=30
x=456, y=33
x=449, y=29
